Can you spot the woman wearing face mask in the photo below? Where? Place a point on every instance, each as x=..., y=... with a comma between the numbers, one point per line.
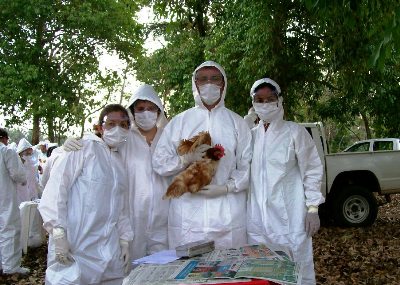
x=30, y=190
x=286, y=176
x=148, y=212
x=85, y=208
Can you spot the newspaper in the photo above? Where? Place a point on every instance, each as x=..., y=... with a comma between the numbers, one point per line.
x=221, y=266
x=248, y=251
x=282, y=271
x=146, y=274
x=272, y=269
x=152, y=273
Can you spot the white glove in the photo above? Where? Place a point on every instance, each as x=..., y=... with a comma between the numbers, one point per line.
x=61, y=247
x=125, y=255
x=312, y=221
x=196, y=155
x=251, y=119
x=72, y=144
x=213, y=190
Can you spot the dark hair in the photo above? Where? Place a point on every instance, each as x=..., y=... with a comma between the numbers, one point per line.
x=50, y=150
x=133, y=105
x=109, y=109
x=265, y=84
x=112, y=108
x=3, y=133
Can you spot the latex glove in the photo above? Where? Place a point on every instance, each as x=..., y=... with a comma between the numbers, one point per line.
x=196, y=155
x=72, y=144
x=312, y=223
x=125, y=255
x=251, y=118
x=213, y=190
x=61, y=247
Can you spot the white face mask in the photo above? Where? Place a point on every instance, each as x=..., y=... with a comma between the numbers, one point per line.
x=209, y=93
x=146, y=120
x=269, y=112
x=28, y=159
x=115, y=136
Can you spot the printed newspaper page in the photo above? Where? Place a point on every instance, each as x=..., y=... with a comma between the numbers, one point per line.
x=249, y=251
x=282, y=271
x=147, y=274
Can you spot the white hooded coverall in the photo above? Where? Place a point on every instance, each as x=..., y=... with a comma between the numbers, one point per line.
x=148, y=212
x=286, y=175
x=11, y=172
x=87, y=196
x=194, y=217
x=30, y=190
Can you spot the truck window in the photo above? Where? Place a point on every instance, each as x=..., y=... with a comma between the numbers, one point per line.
x=360, y=147
x=383, y=145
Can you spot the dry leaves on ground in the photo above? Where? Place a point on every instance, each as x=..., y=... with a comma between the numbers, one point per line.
x=369, y=256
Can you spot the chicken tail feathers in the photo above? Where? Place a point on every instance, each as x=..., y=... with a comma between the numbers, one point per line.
x=175, y=190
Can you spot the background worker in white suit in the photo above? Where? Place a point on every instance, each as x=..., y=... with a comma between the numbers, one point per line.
x=11, y=173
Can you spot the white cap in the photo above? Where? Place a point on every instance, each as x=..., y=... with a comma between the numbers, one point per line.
x=23, y=145
x=264, y=80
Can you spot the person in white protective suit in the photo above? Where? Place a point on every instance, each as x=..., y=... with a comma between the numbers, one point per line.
x=31, y=190
x=148, y=212
x=218, y=211
x=11, y=172
x=13, y=146
x=85, y=208
x=51, y=160
x=286, y=175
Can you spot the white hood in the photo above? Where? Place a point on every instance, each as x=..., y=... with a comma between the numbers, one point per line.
x=23, y=145
x=264, y=80
x=147, y=92
x=196, y=95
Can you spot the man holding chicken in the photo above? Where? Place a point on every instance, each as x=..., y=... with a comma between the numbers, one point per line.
x=217, y=212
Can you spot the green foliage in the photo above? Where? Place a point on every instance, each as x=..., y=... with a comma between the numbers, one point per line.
x=335, y=61
x=49, y=51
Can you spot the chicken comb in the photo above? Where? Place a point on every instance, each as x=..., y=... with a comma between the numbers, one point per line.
x=221, y=149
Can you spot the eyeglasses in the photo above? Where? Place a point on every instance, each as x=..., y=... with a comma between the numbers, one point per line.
x=109, y=123
x=215, y=79
x=140, y=109
x=272, y=99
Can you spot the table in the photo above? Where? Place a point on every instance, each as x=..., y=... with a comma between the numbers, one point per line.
x=252, y=282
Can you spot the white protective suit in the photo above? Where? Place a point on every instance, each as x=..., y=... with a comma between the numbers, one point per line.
x=11, y=172
x=49, y=165
x=286, y=175
x=148, y=212
x=194, y=217
x=30, y=190
x=87, y=196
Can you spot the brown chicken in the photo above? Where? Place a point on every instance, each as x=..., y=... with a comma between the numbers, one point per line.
x=190, y=145
x=199, y=173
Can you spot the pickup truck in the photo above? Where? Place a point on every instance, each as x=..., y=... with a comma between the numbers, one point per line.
x=352, y=179
x=375, y=145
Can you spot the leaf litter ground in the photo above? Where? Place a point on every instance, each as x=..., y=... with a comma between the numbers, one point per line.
x=369, y=256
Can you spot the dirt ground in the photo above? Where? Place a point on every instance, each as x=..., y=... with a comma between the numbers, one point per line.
x=369, y=256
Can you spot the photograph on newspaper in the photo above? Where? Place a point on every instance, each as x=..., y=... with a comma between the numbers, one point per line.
x=270, y=269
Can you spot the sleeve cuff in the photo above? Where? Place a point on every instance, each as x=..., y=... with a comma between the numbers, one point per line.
x=312, y=209
x=230, y=185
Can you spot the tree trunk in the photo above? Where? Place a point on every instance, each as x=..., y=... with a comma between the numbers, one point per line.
x=36, y=129
x=366, y=125
x=50, y=126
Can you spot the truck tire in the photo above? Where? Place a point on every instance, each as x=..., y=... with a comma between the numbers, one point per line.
x=355, y=206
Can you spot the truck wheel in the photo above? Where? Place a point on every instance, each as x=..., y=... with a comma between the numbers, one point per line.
x=355, y=206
